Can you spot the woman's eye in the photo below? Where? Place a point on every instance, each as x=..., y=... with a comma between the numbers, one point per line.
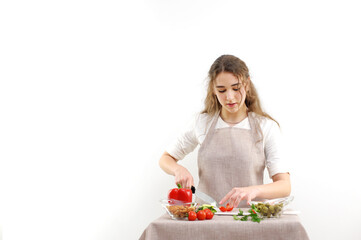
x=236, y=89
x=221, y=91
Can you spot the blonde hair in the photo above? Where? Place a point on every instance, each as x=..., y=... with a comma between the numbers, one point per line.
x=234, y=65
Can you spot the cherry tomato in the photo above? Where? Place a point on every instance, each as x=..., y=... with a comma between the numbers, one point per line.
x=223, y=209
x=228, y=208
x=192, y=216
x=207, y=210
x=209, y=215
x=201, y=215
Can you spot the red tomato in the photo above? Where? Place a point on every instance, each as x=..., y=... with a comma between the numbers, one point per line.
x=207, y=210
x=223, y=209
x=201, y=215
x=209, y=214
x=192, y=216
x=228, y=208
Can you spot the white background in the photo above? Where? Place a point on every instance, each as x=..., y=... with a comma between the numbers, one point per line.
x=92, y=91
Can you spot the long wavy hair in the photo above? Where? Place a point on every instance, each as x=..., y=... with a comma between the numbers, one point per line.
x=234, y=65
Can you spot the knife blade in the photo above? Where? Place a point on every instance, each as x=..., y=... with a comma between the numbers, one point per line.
x=204, y=197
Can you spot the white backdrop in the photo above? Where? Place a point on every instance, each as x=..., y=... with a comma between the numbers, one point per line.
x=92, y=91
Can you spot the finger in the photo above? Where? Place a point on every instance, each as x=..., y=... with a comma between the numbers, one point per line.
x=188, y=183
x=237, y=198
x=242, y=196
x=237, y=201
x=232, y=200
x=249, y=199
x=180, y=182
x=227, y=197
x=184, y=183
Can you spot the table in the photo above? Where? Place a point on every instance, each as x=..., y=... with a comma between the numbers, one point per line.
x=225, y=227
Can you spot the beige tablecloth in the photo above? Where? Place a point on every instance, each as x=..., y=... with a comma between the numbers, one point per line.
x=286, y=227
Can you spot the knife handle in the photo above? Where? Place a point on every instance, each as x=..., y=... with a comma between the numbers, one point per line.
x=193, y=189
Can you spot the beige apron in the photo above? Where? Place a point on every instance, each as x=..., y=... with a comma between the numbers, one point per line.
x=230, y=157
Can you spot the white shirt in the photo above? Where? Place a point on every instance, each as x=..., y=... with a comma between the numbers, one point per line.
x=195, y=133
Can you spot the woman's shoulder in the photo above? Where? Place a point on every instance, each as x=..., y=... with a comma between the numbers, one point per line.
x=204, y=117
x=265, y=122
x=202, y=122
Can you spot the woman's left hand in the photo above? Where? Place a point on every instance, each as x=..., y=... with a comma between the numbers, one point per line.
x=236, y=195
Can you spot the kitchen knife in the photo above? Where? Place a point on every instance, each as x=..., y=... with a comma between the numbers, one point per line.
x=204, y=197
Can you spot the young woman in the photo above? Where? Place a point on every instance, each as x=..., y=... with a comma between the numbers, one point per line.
x=237, y=141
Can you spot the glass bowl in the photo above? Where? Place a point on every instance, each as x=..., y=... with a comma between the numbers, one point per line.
x=178, y=210
x=272, y=208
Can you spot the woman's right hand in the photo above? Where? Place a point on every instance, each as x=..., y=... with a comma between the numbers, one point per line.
x=183, y=177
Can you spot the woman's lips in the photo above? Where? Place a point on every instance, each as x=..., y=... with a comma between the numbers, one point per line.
x=231, y=104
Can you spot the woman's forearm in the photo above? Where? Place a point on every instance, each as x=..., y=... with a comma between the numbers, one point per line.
x=277, y=189
x=281, y=187
x=182, y=175
x=168, y=163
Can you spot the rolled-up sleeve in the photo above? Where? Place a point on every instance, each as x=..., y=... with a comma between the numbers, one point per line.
x=273, y=150
x=185, y=142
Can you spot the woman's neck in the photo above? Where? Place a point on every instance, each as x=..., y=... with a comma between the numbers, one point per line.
x=234, y=118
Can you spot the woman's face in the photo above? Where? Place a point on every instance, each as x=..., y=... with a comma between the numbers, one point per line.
x=230, y=92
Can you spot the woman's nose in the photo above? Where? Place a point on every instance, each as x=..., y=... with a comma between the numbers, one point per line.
x=229, y=95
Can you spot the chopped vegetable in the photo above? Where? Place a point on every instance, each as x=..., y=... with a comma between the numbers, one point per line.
x=253, y=214
x=223, y=209
x=228, y=208
x=206, y=206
